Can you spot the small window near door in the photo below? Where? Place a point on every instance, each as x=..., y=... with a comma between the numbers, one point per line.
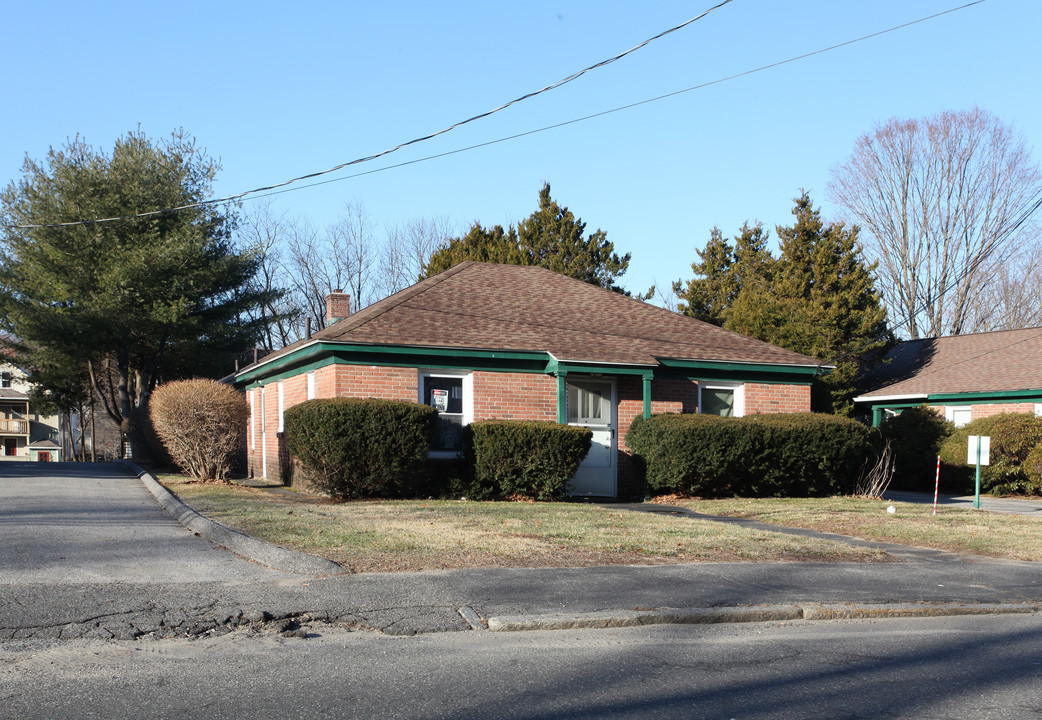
x=447, y=395
x=722, y=400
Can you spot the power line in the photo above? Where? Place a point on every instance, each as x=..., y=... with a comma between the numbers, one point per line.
x=239, y=196
x=629, y=106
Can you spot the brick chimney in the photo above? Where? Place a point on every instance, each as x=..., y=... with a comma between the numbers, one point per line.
x=338, y=306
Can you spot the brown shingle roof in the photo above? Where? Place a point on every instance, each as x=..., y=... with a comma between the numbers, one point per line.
x=983, y=362
x=484, y=306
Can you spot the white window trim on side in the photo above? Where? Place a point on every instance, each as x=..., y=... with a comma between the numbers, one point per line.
x=468, y=400
x=739, y=394
x=949, y=412
x=311, y=385
x=282, y=407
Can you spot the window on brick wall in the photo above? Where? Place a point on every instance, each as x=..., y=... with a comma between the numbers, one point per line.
x=452, y=396
x=960, y=415
x=724, y=399
x=311, y=386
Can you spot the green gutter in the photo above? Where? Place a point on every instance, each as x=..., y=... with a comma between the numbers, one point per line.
x=321, y=354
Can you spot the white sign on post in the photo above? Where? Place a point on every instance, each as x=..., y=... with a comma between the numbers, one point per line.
x=984, y=442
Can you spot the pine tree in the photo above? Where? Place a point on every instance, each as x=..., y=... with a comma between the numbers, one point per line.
x=723, y=271
x=821, y=301
x=160, y=296
x=551, y=237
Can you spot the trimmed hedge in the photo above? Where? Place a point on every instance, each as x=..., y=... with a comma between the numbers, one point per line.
x=796, y=454
x=532, y=459
x=1013, y=437
x=351, y=447
x=915, y=436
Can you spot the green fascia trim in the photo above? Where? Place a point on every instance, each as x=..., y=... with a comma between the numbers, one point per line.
x=322, y=354
x=705, y=367
x=564, y=367
x=1001, y=396
x=739, y=376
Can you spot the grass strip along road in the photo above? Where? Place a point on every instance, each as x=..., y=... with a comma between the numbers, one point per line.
x=401, y=535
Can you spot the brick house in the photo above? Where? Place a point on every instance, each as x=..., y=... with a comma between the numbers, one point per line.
x=963, y=377
x=482, y=341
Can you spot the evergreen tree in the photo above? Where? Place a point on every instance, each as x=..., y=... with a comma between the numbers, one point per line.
x=723, y=271
x=551, y=237
x=818, y=298
x=821, y=301
x=148, y=298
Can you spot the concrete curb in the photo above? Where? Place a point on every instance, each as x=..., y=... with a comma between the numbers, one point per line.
x=763, y=613
x=272, y=556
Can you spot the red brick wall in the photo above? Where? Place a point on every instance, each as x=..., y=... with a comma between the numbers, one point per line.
x=508, y=396
x=982, y=411
x=987, y=410
x=760, y=398
x=514, y=396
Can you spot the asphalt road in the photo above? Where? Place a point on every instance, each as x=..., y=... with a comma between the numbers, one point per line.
x=63, y=523
x=927, y=669
x=111, y=608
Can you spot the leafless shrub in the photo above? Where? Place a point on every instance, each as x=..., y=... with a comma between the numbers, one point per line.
x=201, y=423
x=874, y=481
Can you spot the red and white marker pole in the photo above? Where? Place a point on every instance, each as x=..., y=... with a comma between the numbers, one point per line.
x=936, y=484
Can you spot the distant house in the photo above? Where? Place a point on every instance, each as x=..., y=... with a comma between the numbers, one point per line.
x=26, y=434
x=482, y=341
x=964, y=377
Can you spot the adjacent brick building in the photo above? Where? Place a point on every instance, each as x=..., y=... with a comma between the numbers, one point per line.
x=484, y=341
x=963, y=377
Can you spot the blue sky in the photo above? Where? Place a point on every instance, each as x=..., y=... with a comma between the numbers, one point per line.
x=277, y=90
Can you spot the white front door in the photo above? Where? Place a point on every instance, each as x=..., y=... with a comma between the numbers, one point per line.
x=591, y=404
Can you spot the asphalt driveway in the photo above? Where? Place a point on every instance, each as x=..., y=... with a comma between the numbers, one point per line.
x=89, y=523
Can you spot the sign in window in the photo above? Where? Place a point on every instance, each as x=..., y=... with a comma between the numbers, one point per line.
x=445, y=394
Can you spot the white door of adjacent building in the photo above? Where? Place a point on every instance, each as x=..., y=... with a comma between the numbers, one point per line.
x=591, y=404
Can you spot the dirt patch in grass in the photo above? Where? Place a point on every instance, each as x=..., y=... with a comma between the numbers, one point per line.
x=394, y=536
x=973, y=532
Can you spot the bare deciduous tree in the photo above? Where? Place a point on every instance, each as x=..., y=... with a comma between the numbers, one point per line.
x=264, y=233
x=409, y=247
x=942, y=203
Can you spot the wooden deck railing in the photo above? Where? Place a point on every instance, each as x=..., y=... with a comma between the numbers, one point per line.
x=14, y=427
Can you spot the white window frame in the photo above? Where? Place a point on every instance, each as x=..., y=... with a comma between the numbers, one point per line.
x=950, y=410
x=253, y=420
x=739, y=394
x=311, y=385
x=282, y=407
x=468, y=400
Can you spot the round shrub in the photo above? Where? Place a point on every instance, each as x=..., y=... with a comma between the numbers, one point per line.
x=201, y=423
x=353, y=447
x=1013, y=437
x=526, y=458
x=915, y=437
